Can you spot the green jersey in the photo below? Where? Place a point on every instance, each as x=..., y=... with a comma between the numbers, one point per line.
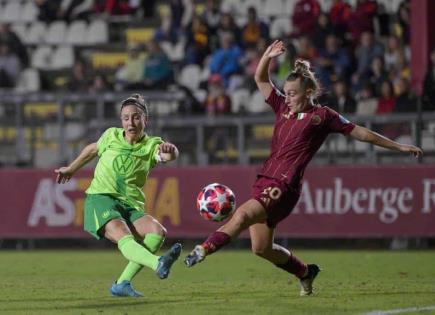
x=123, y=168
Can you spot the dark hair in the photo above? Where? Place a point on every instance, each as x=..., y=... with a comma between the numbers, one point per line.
x=136, y=100
x=305, y=75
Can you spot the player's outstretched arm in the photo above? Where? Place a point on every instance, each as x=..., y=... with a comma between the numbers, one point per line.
x=366, y=135
x=262, y=71
x=65, y=173
x=167, y=152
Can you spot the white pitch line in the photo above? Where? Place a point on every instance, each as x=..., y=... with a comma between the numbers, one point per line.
x=403, y=310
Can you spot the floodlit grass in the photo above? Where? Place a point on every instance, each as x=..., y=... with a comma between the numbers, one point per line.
x=229, y=282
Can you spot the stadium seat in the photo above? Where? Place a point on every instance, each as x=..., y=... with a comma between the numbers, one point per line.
x=21, y=31
x=98, y=32
x=28, y=81
x=428, y=143
x=200, y=95
x=56, y=33
x=257, y=103
x=190, y=76
x=280, y=27
x=175, y=52
x=233, y=6
x=273, y=8
x=62, y=58
x=76, y=33
x=240, y=100
x=11, y=12
x=29, y=12
x=41, y=57
x=35, y=33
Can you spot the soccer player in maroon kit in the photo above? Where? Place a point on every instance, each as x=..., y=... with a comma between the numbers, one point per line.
x=300, y=129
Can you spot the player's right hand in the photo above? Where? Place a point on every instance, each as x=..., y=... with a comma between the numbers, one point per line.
x=415, y=151
x=275, y=49
x=64, y=174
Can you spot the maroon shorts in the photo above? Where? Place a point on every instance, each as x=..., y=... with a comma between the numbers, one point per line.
x=277, y=198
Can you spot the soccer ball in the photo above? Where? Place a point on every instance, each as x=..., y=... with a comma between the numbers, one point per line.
x=216, y=202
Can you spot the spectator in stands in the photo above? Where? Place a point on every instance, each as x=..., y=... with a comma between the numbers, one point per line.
x=341, y=100
x=323, y=29
x=226, y=60
x=131, y=75
x=10, y=66
x=212, y=14
x=78, y=79
x=75, y=9
x=392, y=51
x=361, y=19
x=402, y=26
x=48, y=10
x=99, y=84
x=15, y=44
x=365, y=52
x=114, y=206
x=340, y=14
x=401, y=68
x=377, y=74
x=367, y=104
x=181, y=12
x=113, y=7
x=406, y=100
x=217, y=101
x=333, y=62
x=226, y=25
x=306, y=49
x=197, y=42
x=254, y=30
x=304, y=17
x=158, y=69
x=428, y=96
x=387, y=100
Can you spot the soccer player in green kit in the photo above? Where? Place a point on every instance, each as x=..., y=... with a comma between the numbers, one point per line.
x=114, y=206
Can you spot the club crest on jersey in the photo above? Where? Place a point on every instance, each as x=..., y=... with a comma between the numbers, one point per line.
x=316, y=120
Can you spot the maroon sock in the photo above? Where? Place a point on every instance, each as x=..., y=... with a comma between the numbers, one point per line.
x=215, y=241
x=294, y=266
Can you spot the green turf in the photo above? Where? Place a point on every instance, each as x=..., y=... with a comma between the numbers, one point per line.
x=229, y=282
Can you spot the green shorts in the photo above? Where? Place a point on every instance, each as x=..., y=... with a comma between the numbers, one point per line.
x=100, y=209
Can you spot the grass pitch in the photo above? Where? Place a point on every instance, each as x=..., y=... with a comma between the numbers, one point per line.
x=229, y=282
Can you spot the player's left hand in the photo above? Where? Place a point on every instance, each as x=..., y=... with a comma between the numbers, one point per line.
x=407, y=148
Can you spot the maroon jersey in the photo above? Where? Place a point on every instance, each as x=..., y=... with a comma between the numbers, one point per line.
x=297, y=137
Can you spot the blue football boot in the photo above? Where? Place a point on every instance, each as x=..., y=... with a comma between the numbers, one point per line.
x=124, y=289
x=166, y=261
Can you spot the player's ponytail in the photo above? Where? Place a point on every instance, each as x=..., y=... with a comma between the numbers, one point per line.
x=137, y=100
x=308, y=80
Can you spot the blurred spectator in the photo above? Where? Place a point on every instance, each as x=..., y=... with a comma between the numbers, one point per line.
x=322, y=30
x=197, y=43
x=406, y=101
x=393, y=50
x=341, y=100
x=10, y=66
x=15, y=44
x=158, y=68
x=333, y=61
x=226, y=25
x=428, y=97
x=181, y=12
x=99, y=84
x=377, y=74
x=75, y=9
x=78, y=79
x=361, y=19
x=304, y=17
x=217, y=101
x=131, y=74
x=48, y=9
x=212, y=14
x=166, y=31
x=367, y=104
x=113, y=7
x=226, y=60
x=400, y=69
x=254, y=30
x=306, y=49
x=340, y=14
x=401, y=27
x=386, y=101
x=365, y=52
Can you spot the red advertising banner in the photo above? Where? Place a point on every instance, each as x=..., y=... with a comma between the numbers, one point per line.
x=335, y=201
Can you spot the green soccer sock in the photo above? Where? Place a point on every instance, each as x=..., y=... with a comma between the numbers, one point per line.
x=152, y=242
x=134, y=252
